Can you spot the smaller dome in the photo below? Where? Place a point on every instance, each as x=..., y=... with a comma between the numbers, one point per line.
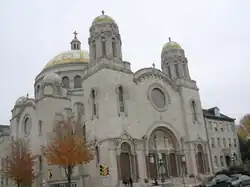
x=171, y=45
x=52, y=78
x=103, y=19
x=21, y=100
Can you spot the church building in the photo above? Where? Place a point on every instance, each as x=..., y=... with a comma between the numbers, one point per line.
x=145, y=125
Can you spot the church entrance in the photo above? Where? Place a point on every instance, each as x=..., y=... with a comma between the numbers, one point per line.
x=126, y=162
x=163, y=154
x=173, y=165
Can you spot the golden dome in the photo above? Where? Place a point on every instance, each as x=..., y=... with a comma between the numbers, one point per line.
x=171, y=45
x=103, y=19
x=69, y=57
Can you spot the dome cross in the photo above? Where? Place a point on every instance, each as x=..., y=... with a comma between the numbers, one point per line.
x=75, y=33
x=169, y=39
x=103, y=12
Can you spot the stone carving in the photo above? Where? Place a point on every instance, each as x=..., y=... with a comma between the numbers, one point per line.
x=125, y=137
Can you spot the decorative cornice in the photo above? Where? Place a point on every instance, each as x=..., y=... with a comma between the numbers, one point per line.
x=145, y=73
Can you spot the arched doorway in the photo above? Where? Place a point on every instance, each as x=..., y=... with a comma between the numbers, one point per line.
x=200, y=159
x=163, y=148
x=126, y=162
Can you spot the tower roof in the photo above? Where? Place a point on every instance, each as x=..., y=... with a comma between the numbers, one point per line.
x=171, y=45
x=103, y=19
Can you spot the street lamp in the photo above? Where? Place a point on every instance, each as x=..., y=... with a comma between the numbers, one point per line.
x=233, y=157
x=183, y=162
x=161, y=168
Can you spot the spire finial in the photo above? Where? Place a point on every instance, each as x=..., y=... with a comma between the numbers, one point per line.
x=103, y=12
x=75, y=33
x=169, y=39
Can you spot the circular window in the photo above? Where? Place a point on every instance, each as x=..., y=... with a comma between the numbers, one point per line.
x=158, y=98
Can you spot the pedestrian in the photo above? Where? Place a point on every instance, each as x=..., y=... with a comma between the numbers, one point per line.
x=130, y=182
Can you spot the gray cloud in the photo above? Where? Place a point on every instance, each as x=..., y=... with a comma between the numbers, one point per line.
x=214, y=34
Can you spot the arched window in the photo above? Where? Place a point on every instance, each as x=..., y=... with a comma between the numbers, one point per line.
x=93, y=50
x=114, y=48
x=84, y=132
x=27, y=125
x=97, y=154
x=77, y=81
x=103, y=46
x=93, y=94
x=37, y=90
x=121, y=99
x=65, y=81
x=193, y=104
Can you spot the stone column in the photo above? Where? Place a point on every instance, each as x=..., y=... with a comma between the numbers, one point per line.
x=118, y=162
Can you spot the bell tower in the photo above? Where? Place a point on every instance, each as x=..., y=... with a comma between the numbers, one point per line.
x=104, y=41
x=174, y=62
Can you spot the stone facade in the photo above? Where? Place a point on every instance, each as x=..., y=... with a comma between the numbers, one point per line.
x=136, y=119
x=223, y=140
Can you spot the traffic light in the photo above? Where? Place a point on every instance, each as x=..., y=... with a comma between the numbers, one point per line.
x=49, y=174
x=102, y=168
x=107, y=171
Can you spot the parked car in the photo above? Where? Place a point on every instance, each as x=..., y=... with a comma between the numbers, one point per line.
x=218, y=180
x=239, y=180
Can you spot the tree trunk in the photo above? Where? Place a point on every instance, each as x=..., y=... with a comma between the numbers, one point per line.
x=70, y=169
x=18, y=184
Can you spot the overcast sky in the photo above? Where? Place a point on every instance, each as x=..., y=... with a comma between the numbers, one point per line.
x=214, y=33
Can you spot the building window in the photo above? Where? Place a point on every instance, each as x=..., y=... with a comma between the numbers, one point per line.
x=222, y=129
x=224, y=142
x=65, y=81
x=114, y=48
x=97, y=154
x=121, y=99
x=37, y=90
x=229, y=142
x=235, y=143
x=216, y=160
x=77, y=81
x=84, y=132
x=218, y=142
x=193, y=104
x=221, y=161
x=212, y=142
x=27, y=125
x=40, y=128
x=103, y=41
x=215, y=128
x=93, y=50
x=177, y=70
x=40, y=163
x=94, y=105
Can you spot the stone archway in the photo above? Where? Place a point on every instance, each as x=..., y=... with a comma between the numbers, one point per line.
x=126, y=162
x=163, y=160
x=200, y=159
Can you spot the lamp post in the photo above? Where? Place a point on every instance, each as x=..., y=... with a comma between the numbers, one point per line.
x=233, y=158
x=183, y=161
x=161, y=168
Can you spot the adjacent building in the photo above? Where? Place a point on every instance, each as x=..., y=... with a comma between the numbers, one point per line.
x=4, y=149
x=222, y=137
